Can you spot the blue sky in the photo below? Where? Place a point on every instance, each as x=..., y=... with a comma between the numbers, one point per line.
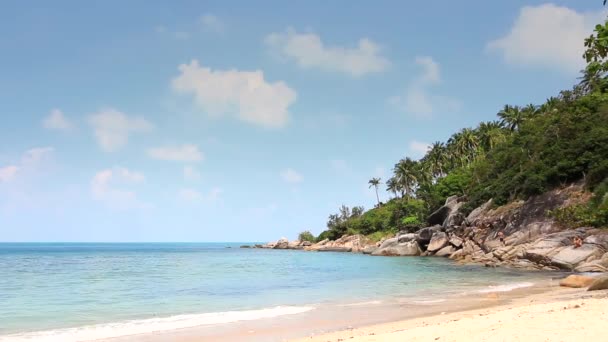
x=248, y=121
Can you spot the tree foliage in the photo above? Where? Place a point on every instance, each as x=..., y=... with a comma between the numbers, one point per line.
x=528, y=150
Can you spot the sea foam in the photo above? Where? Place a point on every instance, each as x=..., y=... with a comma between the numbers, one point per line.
x=150, y=325
x=505, y=287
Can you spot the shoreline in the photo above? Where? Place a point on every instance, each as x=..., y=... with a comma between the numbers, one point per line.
x=341, y=322
x=544, y=316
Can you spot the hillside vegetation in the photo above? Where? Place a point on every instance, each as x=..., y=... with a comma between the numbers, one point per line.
x=526, y=151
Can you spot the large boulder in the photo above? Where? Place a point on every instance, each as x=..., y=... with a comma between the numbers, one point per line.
x=392, y=247
x=456, y=241
x=295, y=245
x=445, y=251
x=576, y=281
x=448, y=213
x=478, y=212
x=283, y=243
x=425, y=235
x=407, y=237
x=600, y=283
x=569, y=257
x=459, y=254
x=438, y=241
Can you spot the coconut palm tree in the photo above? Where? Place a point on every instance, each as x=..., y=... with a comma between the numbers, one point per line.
x=406, y=173
x=393, y=186
x=436, y=158
x=375, y=182
x=511, y=117
x=490, y=134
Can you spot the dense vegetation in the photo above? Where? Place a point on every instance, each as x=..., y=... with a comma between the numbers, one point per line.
x=528, y=150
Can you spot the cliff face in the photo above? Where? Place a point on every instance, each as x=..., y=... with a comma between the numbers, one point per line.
x=531, y=238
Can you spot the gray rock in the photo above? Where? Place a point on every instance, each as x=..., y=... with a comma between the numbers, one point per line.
x=456, y=241
x=447, y=213
x=335, y=249
x=445, y=251
x=438, y=241
x=592, y=266
x=407, y=237
x=283, y=243
x=600, y=283
x=457, y=255
x=425, y=234
x=477, y=212
x=369, y=249
x=469, y=248
x=569, y=257
x=306, y=244
x=600, y=240
x=392, y=247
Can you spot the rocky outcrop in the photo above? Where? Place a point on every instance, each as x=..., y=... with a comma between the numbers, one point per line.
x=283, y=243
x=576, y=281
x=532, y=239
x=392, y=247
x=347, y=243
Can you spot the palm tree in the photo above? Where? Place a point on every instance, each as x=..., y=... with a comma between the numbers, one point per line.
x=436, y=158
x=464, y=146
x=511, y=117
x=406, y=173
x=490, y=134
x=375, y=182
x=550, y=106
x=392, y=185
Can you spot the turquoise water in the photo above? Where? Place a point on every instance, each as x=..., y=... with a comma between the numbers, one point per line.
x=50, y=287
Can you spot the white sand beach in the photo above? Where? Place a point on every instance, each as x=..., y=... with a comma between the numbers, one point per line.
x=559, y=315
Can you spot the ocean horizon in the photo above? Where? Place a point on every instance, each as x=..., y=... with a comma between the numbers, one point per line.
x=87, y=291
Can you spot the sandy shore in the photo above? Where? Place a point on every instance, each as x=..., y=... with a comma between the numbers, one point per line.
x=558, y=315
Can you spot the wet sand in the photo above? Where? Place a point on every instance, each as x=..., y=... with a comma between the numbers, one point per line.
x=491, y=316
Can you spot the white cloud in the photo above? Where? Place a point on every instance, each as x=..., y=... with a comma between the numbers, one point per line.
x=183, y=153
x=57, y=121
x=417, y=149
x=195, y=196
x=291, y=176
x=191, y=174
x=418, y=100
x=35, y=156
x=7, y=173
x=112, y=128
x=547, y=36
x=108, y=186
x=309, y=51
x=32, y=161
x=245, y=94
x=212, y=23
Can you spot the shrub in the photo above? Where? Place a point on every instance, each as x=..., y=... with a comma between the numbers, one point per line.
x=306, y=236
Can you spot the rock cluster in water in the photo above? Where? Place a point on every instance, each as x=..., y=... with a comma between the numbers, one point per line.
x=532, y=240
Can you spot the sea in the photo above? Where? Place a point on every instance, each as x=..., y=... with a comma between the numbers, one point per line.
x=91, y=291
